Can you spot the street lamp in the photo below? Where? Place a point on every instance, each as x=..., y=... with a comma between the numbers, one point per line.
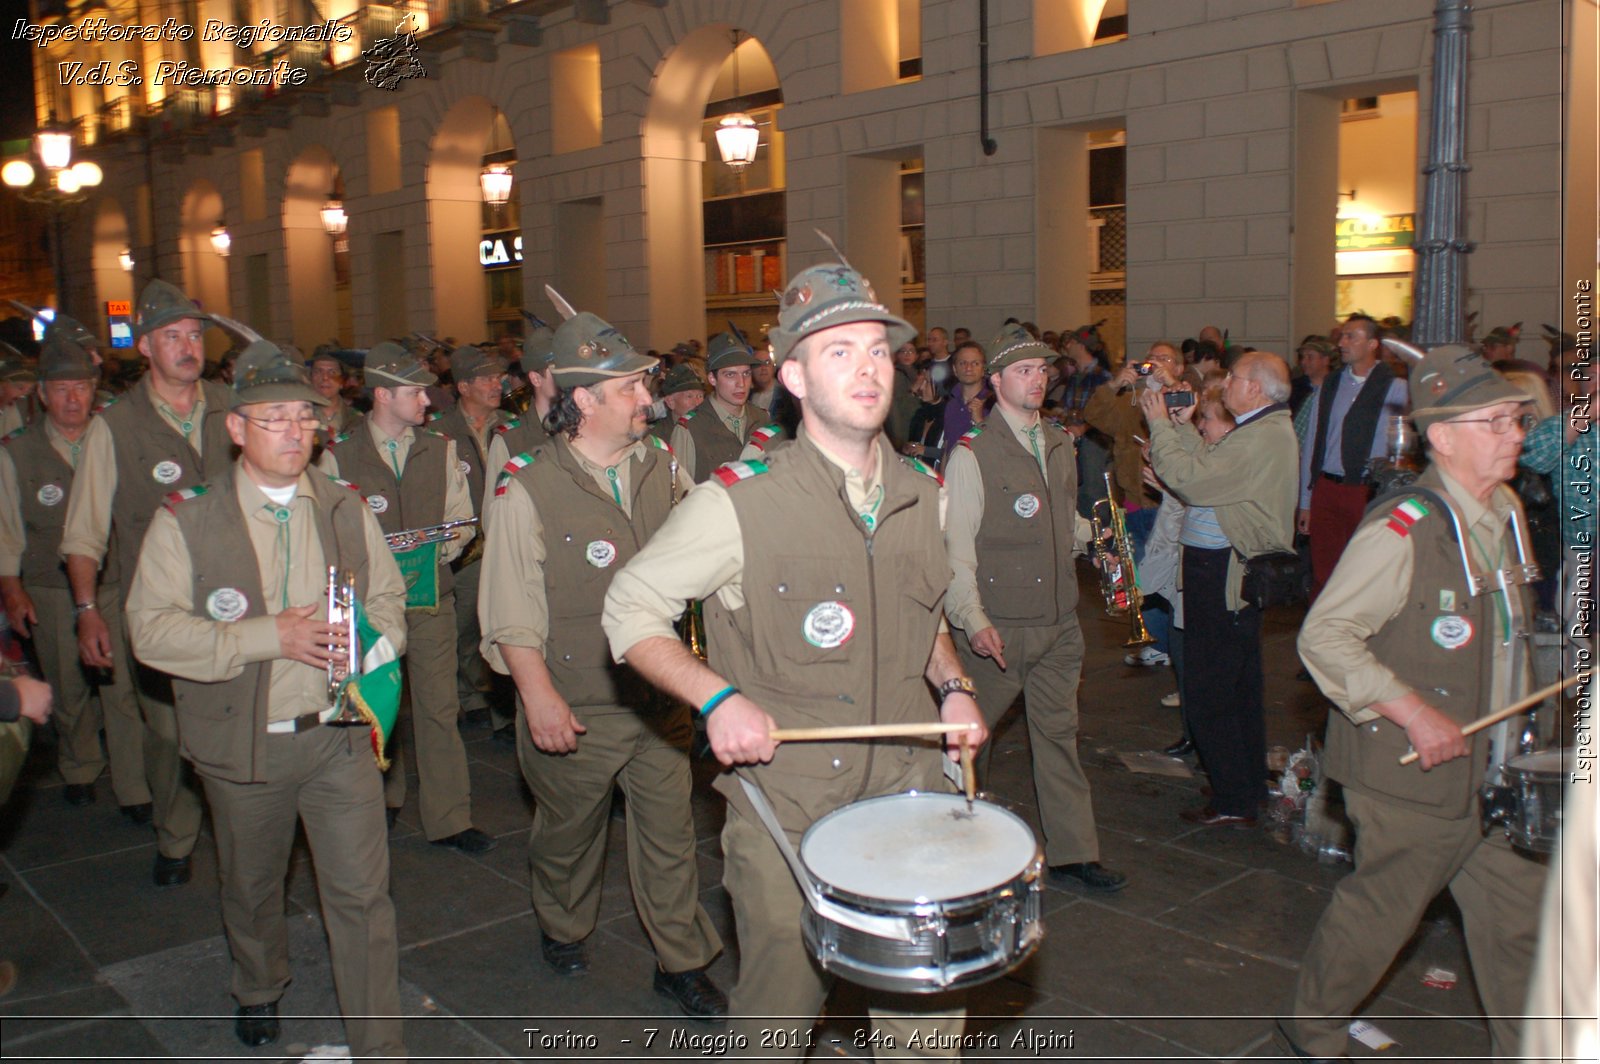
x=221, y=242
x=496, y=184
x=61, y=184
x=737, y=135
x=125, y=260
x=334, y=219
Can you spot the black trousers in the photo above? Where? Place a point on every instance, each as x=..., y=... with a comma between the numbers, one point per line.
x=1223, y=702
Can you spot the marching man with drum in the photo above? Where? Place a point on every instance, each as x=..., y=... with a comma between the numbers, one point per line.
x=1012, y=530
x=823, y=573
x=1400, y=642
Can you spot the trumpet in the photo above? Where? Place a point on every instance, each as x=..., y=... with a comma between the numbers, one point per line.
x=342, y=615
x=410, y=538
x=1119, y=576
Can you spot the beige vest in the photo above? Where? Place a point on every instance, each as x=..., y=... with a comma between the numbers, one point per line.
x=588, y=539
x=154, y=461
x=836, y=628
x=1026, y=574
x=416, y=499
x=222, y=726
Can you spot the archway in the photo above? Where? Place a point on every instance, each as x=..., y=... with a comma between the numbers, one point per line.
x=111, y=240
x=674, y=151
x=205, y=269
x=319, y=306
x=456, y=218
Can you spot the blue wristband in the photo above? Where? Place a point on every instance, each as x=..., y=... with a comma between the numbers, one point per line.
x=717, y=699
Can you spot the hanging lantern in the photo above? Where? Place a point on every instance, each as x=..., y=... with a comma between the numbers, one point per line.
x=125, y=260
x=496, y=182
x=221, y=242
x=737, y=140
x=334, y=220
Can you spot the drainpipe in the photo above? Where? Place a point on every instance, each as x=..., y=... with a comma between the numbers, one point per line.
x=1443, y=247
x=988, y=142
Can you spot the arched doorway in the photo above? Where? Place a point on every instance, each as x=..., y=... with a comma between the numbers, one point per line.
x=477, y=293
x=112, y=279
x=319, y=283
x=205, y=267
x=681, y=178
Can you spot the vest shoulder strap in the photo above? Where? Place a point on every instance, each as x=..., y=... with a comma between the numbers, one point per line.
x=511, y=469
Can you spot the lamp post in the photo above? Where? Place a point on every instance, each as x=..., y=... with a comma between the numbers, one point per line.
x=56, y=184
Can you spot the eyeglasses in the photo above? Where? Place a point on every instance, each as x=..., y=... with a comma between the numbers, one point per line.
x=284, y=424
x=1500, y=424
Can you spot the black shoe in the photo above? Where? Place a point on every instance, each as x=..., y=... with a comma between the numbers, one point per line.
x=469, y=841
x=505, y=735
x=391, y=813
x=140, y=814
x=78, y=794
x=1301, y=1054
x=566, y=958
x=256, y=1025
x=171, y=871
x=1088, y=875
x=1181, y=748
x=694, y=992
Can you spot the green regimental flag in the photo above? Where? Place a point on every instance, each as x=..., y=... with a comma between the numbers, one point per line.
x=419, y=567
x=376, y=690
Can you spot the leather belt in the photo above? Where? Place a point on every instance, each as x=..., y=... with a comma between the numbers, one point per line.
x=303, y=723
x=1350, y=481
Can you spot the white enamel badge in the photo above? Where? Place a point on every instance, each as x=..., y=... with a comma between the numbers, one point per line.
x=1027, y=505
x=1452, y=631
x=51, y=494
x=226, y=604
x=465, y=467
x=600, y=553
x=828, y=625
x=378, y=503
x=167, y=472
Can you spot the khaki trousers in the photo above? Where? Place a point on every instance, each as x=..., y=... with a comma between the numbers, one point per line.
x=83, y=705
x=172, y=791
x=428, y=723
x=647, y=755
x=327, y=779
x=1045, y=664
x=474, y=680
x=1404, y=858
x=777, y=975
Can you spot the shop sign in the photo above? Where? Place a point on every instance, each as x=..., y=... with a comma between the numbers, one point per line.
x=497, y=251
x=1375, y=233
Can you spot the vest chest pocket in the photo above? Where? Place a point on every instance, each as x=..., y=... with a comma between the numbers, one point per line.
x=813, y=620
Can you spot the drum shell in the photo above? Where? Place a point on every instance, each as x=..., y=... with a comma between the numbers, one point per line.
x=1538, y=786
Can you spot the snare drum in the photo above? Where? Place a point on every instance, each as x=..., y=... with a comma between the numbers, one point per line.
x=1537, y=783
x=962, y=888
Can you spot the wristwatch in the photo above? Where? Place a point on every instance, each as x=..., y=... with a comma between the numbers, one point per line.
x=81, y=608
x=962, y=684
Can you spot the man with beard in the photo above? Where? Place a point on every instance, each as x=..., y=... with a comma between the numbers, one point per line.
x=823, y=573
x=582, y=505
x=168, y=433
x=230, y=599
x=713, y=433
x=37, y=464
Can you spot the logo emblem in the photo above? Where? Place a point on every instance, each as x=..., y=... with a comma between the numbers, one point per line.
x=1452, y=631
x=828, y=625
x=167, y=472
x=378, y=503
x=1447, y=600
x=600, y=554
x=1027, y=505
x=226, y=604
x=51, y=494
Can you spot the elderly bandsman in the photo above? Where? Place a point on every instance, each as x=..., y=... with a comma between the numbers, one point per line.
x=412, y=478
x=168, y=433
x=1410, y=652
x=714, y=432
x=17, y=381
x=230, y=599
x=682, y=390
x=329, y=377
x=37, y=464
x=1012, y=531
x=582, y=505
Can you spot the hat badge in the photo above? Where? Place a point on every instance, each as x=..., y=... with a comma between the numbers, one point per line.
x=586, y=351
x=1438, y=385
x=800, y=294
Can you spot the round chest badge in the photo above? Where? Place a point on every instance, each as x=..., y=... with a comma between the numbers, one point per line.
x=600, y=553
x=828, y=625
x=1452, y=631
x=167, y=472
x=226, y=604
x=51, y=494
x=378, y=503
x=1027, y=505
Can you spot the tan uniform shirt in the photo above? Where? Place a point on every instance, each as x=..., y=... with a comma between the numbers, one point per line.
x=12, y=417
x=963, y=483
x=1371, y=585
x=13, y=535
x=94, y=485
x=682, y=442
x=703, y=547
x=512, y=608
x=170, y=637
x=457, y=496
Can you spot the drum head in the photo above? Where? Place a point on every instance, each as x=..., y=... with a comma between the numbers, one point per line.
x=1543, y=764
x=917, y=847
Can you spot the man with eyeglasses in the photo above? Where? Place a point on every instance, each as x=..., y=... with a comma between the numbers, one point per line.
x=168, y=433
x=1410, y=654
x=715, y=432
x=230, y=599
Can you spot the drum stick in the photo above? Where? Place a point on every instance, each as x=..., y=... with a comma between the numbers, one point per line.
x=969, y=774
x=867, y=731
x=1513, y=709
